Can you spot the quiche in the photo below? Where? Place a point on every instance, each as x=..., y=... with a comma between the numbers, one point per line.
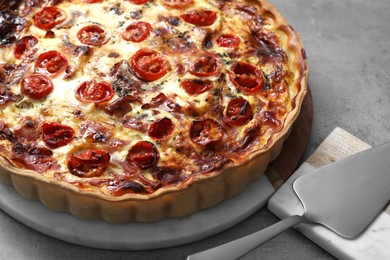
x=141, y=110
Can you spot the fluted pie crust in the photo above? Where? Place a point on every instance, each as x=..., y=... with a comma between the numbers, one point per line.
x=195, y=191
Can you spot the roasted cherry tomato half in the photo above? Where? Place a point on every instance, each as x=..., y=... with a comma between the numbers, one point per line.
x=138, y=2
x=206, y=132
x=24, y=45
x=177, y=3
x=91, y=163
x=208, y=64
x=92, y=35
x=137, y=31
x=149, y=65
x=246, y=78
x=36, y=86
x=200, y=17
x=51, y=63
x=94, y=91
x=161, y=129
x=239, y=112
x=49, y=17
x=143, y=154
x=195, y=86
x=228, y=41
x=56, y=135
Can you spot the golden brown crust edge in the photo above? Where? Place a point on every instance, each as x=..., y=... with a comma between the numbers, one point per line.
x=198, y=192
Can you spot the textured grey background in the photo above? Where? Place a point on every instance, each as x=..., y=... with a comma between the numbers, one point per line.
x=348, y=48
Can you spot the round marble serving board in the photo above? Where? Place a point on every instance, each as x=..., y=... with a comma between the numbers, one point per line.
x=171, y=232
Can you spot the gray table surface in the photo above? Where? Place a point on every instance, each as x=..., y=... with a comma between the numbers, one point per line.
x=348, y=48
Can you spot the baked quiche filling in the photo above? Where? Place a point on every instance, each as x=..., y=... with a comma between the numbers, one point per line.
x=132, y=96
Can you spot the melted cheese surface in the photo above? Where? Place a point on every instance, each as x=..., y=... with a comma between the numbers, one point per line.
x=180, y=43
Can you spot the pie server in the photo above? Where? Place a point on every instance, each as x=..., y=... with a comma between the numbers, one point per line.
x=344, y=196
